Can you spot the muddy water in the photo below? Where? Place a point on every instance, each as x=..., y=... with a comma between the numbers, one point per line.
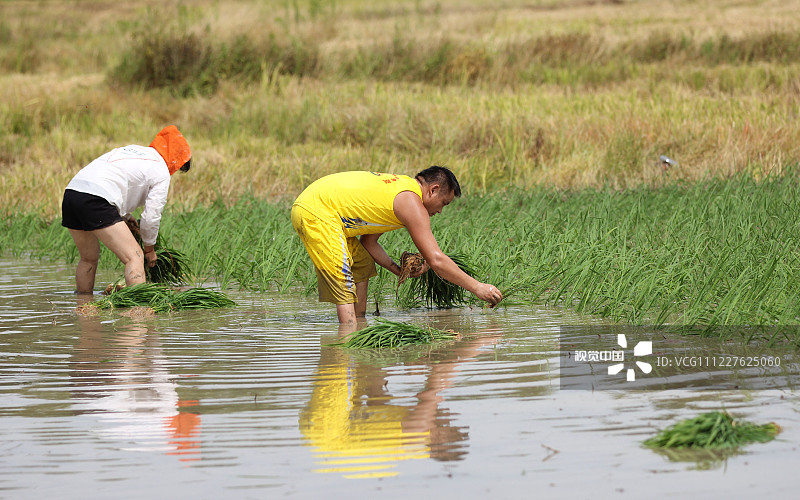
x=249, y=403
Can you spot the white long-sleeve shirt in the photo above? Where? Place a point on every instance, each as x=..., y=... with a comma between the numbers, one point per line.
x=129, y=177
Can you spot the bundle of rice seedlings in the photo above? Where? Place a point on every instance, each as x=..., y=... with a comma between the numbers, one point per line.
x=161, y=298
x=154, y=295
x=429, y=289
x=171, y=265
x=385, y=333
x=200, y=298
x=713, y=430
x=410, y=263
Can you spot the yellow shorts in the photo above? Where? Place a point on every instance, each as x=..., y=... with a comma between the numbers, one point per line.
x=340, y=262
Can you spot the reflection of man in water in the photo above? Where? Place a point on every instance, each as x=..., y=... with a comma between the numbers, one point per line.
x=359, y=431
x=119, y=377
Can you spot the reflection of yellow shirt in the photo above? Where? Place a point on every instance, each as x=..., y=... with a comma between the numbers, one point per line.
x=354, y=436
x=363, y=201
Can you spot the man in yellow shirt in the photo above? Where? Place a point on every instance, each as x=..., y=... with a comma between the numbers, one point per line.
x=341, y=216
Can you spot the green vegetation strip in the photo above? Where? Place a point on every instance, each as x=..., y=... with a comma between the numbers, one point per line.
x=162, y=298
x=713, y=430
x=718, y=253
x=391, y=334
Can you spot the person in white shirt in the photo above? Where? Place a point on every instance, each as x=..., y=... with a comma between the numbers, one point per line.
x=108, y=190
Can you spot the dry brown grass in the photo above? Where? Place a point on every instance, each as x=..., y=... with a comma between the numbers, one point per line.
x=569, y=94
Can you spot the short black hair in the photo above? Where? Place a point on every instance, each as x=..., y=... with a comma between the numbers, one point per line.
x=186, y=166
x=443, y=176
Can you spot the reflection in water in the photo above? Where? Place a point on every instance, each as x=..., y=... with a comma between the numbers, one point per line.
x=254, y=368
x=120, y=379
x=698, y=458
x=358, y=429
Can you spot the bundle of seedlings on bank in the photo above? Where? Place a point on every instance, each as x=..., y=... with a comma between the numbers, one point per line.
x=429, y=289
x=713, y=430
x=171, y=265
x=391, y=334
x=161, y=298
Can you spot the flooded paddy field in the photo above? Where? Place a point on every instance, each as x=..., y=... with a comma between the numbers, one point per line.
x=249, y=402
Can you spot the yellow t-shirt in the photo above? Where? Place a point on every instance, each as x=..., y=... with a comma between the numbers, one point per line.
x=362, y=201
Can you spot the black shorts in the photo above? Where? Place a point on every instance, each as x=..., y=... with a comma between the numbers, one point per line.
x=87, y=212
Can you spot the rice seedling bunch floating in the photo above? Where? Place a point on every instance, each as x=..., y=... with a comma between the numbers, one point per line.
x=161, y=298
x=429, y=289
x=713, y=430
x=154, y=295
x=200, y=298
x=391, y=334
x=171, y=265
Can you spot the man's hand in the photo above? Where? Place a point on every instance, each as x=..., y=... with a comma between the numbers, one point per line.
x=421, y=271
x=489, y=293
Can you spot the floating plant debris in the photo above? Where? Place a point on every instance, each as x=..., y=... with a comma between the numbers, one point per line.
x=713, y=430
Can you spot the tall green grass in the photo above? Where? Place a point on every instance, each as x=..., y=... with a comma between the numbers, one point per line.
x=715, y=253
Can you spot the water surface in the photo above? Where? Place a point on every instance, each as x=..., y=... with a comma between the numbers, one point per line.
x=249, y=402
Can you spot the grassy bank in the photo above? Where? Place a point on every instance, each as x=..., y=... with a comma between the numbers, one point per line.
x=272, y=95
x=711, y=253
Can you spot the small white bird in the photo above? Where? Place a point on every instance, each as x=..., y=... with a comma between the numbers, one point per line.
x=666, y=162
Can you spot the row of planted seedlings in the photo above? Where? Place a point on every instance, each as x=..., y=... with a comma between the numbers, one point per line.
x=250, y=245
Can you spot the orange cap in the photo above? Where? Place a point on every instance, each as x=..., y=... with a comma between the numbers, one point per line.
x=172, y=146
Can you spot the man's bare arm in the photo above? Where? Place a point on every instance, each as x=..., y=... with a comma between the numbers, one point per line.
x=410, y=211
x=376, y=250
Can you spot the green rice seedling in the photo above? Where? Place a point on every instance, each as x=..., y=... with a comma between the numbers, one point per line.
x=200, y=298
x=433, y=291
x=713, y=430
x=391, y=334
